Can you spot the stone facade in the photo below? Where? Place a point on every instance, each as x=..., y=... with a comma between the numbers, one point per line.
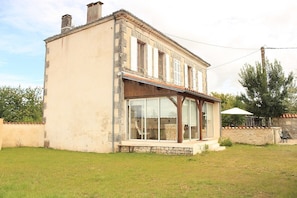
x=252, y=135
x=167, y=150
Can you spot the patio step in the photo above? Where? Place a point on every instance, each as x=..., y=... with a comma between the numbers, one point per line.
x=216, y=147
x=187, y=148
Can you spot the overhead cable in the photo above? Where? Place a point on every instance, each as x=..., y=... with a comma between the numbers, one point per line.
x=214, y=45
x=233, y=60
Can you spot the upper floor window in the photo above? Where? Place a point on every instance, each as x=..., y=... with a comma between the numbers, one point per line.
x=190, y=77
x=137, y=54
x=140, y=56
x=177, y=72
x=161, y=61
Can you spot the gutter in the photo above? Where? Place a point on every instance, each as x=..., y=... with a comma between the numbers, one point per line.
x=113, y=68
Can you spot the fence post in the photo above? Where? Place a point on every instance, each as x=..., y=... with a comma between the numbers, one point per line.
x=1, y=132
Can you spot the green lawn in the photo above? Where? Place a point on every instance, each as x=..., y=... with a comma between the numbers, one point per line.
x=239, y=171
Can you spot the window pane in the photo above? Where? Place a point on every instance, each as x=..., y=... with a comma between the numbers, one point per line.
x=137, y=124
x=177, y=77
x=186, y=120
x=152, y=118
x=168, y=115
x=190, y=77
x=161, y=65
x=210, y=120
x=194, y=125
x=207, y=120
x=140, y=56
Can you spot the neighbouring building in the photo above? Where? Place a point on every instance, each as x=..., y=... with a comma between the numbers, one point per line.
x=116, y=79
x=288, y=122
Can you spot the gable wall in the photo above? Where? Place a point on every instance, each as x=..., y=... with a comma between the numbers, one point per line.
x=78, y=89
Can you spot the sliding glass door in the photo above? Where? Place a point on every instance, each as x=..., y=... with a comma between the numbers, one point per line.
x=153, y=119
x=137, y=119
x=190, y=120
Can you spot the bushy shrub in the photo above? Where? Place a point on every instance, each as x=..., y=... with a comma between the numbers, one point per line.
x=225, y=142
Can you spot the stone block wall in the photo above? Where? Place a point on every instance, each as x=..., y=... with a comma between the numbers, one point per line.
x=252, y=135
x=167, y=150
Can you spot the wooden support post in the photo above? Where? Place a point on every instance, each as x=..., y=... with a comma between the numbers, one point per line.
x=200, y=118
x=179, y=119
x=263, y=57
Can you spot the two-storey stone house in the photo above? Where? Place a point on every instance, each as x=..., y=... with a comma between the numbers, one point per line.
x=117, y=79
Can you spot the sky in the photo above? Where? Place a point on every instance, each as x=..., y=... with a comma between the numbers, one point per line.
x=227, y=34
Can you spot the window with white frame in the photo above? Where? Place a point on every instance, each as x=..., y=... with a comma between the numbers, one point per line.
x=140, y=56
x=161, y=61
x=137, y=54
x=177, y=72
x=188, y=76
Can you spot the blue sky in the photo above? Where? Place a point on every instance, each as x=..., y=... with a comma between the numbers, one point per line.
x=227, y=34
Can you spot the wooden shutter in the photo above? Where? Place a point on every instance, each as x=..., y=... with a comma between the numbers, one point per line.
x=149, y=60
x=194, y=79
x=167, y=67
x=200, y=82
x=186, y=76
x=133, y=54
x=156, y=63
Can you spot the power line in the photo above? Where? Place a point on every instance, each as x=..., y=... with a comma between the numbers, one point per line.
x=214, y=45
x=228, y=47
x=234, y=60
x=280, y=47
x=249, y=55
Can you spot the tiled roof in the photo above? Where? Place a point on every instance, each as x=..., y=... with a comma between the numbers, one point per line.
x=289, y=115
x=123, y=13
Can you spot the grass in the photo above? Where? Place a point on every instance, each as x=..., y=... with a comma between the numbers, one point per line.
x=239, y=171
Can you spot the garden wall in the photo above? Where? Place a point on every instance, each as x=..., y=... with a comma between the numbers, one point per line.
x=21, y=134
x=252, y=135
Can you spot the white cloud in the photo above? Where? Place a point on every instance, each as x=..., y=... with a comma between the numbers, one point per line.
x=243, y=24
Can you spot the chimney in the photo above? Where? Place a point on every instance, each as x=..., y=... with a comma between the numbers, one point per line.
x=66, y=23
x=94, y=11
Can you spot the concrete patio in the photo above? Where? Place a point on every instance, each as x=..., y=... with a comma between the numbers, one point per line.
x=170, y=148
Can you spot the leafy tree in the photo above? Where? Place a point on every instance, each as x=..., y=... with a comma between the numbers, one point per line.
x=229, y=101
x=291, y=102
x=21, y=104
x=267, y=88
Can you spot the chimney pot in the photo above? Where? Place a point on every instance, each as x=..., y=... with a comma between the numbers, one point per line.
x=66, y=23
x=94, y=11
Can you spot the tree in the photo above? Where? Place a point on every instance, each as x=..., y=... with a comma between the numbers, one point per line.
x=229, y=101
x=21, y=104
x=291, y=102
x=267, y=89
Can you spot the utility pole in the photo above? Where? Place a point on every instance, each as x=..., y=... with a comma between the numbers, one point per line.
x=264, y=80
x=263, y=57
